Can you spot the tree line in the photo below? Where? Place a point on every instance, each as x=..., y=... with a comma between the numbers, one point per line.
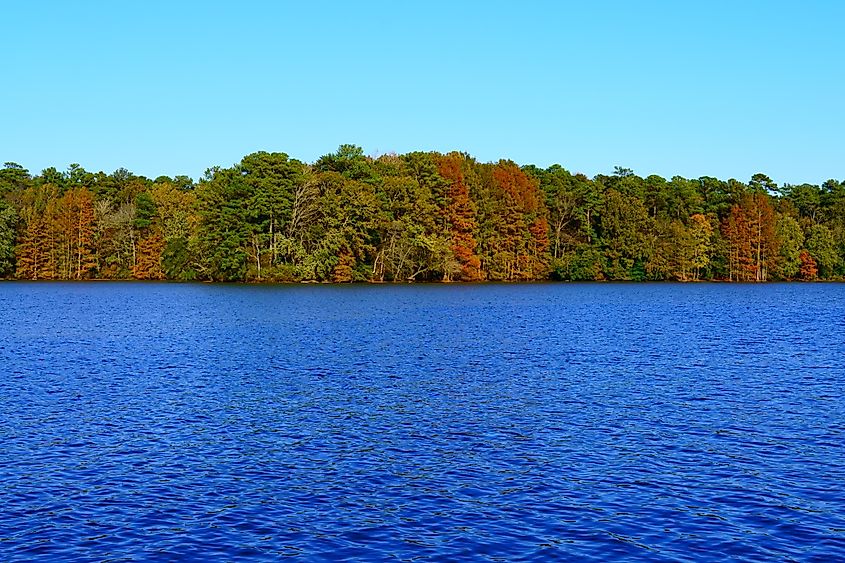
x=420, y=216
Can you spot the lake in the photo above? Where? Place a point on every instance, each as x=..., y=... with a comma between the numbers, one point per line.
x=422, y=422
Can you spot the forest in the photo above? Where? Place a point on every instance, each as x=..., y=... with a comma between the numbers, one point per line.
x=420, y=216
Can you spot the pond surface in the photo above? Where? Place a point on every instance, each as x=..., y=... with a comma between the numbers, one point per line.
x=504, y=422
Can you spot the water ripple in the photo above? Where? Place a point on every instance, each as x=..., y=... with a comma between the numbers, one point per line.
x=588, y=422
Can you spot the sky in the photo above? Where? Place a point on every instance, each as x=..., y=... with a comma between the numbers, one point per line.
x=708, y=88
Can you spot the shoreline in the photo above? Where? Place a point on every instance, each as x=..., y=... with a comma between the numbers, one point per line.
x=426, y=283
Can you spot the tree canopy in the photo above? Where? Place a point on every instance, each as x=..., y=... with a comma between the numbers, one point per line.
x=420, y=216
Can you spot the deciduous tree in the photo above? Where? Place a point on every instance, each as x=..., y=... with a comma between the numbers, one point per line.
x=460, y=219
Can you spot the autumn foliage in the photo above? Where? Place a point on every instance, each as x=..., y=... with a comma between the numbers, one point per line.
x=809, y=269
x=521, y=240
x=750, y=231
x=460, y=216
x=420, y=216
x=148, y=259
x=57, y=237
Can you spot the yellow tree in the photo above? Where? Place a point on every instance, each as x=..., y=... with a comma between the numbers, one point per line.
x=36, y=252
x=148, y=263
x=701, y=232
x=85, y=256
x=73, y=223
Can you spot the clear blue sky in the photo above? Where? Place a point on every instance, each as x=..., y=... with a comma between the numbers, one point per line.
x=692, y=88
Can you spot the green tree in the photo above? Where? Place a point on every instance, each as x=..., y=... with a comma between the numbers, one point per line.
x=582, y=263
x=176, y=211
x=411, y=245
x=8, y=230
x=272, y=179
x=348, y=161
x=791, y=239
x=14, y=179
x=701, y=230
x=223, y=230
x=627, y=236
x=683, y=198
x=573, y=202
x=806, y=198
x=145, y=210
x=115, y=238
x=762, y=184
x=822, y=247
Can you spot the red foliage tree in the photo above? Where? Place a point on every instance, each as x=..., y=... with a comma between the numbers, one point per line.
x=523, y=240
x=460, y=218
x=809, y=269
x=750, y=231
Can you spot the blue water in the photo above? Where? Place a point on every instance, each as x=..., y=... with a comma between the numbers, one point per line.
x=381, y=423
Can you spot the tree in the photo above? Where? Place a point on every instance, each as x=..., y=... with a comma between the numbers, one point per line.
x=517, y=242
x=417, y=216
x=571, y=201
x=410, y=242
x=348, y=161
x=460, y=218
x=149, y=263
x=272, y=180
x=791, y=241
x=14, y=178
x=115, y=239
x=622, y=172
x=73, y=226
x=344, y=230
x=671, y=254
x=583, y=263
x=822, y=247
x=37, y=244
x=682, y=198
x=808, y=269
x=177, y=224
x=78, y=177
x=627, y=236
x=762, y=184
x=715, y=195
x=806, y=198
x=737, y=232
x=150, y=246
x=224, y=233
x=750, y=230
x=656, y=195
x=8, y=228
x=701, y=232
x=681, y=252
x=78, y=203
